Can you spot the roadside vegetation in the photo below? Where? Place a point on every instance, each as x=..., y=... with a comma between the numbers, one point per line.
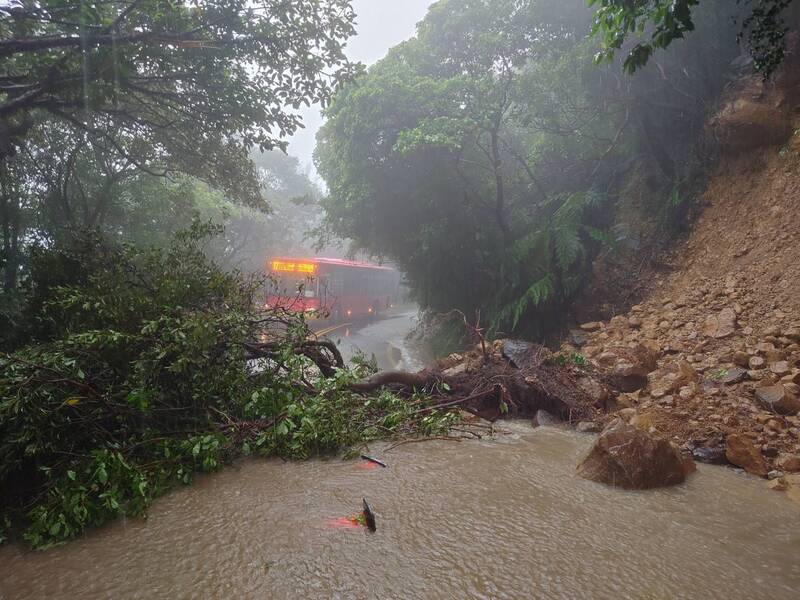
x=141, y=367
x=142, y=187
x=492, y=158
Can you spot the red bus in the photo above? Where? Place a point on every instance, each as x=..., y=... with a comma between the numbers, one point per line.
x=332, y=287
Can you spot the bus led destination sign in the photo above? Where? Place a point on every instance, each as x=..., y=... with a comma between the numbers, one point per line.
x=284, y=266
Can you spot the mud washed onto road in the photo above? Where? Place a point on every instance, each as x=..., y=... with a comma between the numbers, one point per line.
x=503, y=518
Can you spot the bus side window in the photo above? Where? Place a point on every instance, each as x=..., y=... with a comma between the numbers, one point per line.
x=324, y=283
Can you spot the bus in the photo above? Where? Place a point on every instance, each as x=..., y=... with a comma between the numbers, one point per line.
x=331, y=288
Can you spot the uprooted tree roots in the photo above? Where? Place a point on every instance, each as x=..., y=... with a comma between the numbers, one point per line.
x=515, y=379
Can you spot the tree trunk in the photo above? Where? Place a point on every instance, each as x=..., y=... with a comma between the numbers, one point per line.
x=9, y=213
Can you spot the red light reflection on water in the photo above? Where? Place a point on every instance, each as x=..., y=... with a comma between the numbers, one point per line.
x=366, y=465
x=350, y=522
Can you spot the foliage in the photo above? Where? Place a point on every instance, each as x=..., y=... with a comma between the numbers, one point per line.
x=664, y=21
x=572, y=358
x=170, y=86
x=136, y=374
x=484, y=155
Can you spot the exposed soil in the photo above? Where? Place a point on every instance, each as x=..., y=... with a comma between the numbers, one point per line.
x=724, y=325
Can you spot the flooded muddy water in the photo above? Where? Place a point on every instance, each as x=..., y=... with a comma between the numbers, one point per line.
x=502, y=518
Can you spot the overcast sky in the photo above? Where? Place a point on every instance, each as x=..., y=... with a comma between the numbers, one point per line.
x=380, y=25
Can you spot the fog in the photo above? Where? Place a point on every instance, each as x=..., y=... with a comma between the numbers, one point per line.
x=381, y=24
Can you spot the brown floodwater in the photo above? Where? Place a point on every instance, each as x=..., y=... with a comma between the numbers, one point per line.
x=505, y=518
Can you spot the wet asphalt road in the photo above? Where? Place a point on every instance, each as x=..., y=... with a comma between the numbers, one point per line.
x=384, y=339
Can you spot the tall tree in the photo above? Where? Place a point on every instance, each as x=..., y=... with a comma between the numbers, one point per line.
x=478, y=154
x=186, y=86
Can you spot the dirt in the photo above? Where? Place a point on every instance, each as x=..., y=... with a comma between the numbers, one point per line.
x=725, y=322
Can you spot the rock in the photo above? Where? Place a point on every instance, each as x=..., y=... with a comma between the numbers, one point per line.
x=688, y=374
x=734, y=375
x=764, y=347
x=740, y=451
x=521, y=353
x=626, y=413
x=741, y=359
x=775, y=398
x=779, y=485
x=626, y=457
x=720, y=325
x=629, y=377
x=756, y=362
x=789, y=463
x=634, y=322
x=780, y=368
x=588, y=427
x=592, y=326
x=775, y=474
x=642, y=421
x=714, y=455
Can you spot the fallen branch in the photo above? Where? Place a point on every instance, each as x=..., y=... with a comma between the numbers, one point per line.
x=384, y=378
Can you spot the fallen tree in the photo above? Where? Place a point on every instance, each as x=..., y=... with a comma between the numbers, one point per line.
x=142, y=367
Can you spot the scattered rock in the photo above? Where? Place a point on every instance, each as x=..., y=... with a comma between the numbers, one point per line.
x=592, y=326
x=756, y=362
x=642, y=421
x=720, y=325
x=741, y=359
x=775, y=398
x=626, y=457
x=629, y=377
x=780, y=368
x=779, y=485
x=740, y=451
x=732, y=376
x=789, y=463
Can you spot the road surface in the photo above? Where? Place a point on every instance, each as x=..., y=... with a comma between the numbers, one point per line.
x=384, y=339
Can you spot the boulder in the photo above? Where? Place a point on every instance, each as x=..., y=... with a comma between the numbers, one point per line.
x=592, y=326
x=789, y=463
x=626, y=457
x=775, y=398
x=742, y=452
x=720, y=325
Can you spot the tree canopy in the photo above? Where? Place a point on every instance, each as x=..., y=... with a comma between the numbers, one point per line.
x=661, y=22
x=477, y=154
x=169, y=86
